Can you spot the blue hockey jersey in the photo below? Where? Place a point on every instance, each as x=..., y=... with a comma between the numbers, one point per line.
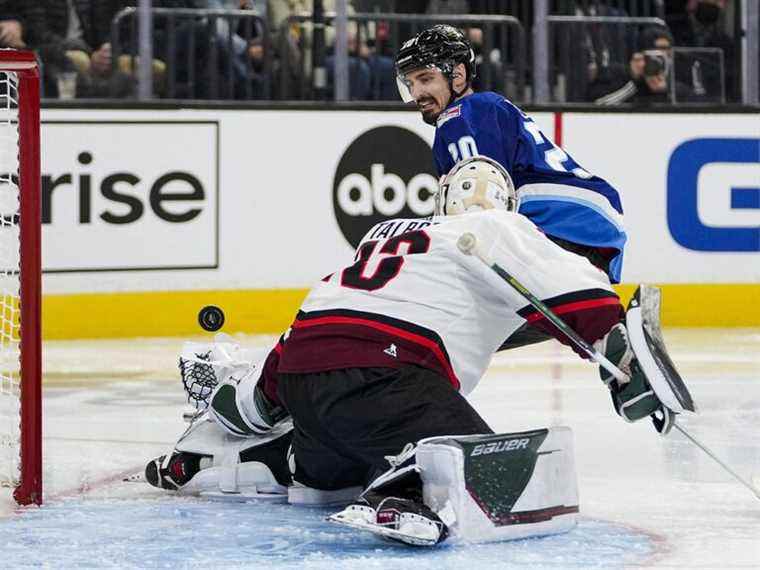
x=559, y=196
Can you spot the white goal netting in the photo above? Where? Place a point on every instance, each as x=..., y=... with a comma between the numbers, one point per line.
x=9, y=281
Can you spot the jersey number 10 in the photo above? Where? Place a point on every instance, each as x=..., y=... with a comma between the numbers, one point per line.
x=463, y=149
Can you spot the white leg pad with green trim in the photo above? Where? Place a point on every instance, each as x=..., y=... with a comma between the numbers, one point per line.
x=227, y=477
x=489, y=488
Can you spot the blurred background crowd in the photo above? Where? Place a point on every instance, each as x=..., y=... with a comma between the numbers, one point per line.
x=596, y=52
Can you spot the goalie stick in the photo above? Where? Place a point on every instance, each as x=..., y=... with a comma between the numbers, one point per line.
x=680, y=400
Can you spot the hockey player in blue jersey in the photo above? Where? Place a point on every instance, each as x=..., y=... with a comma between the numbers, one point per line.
x=575, y=209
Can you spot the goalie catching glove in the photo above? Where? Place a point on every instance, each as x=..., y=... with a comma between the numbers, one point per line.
x=638, y=349
x=203, y=366
x=223, y=377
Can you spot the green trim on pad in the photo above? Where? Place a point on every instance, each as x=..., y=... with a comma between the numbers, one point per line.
x=271, y=311
x=227, y=412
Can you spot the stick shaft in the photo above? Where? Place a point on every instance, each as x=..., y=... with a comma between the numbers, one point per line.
x=552, y=317
x=593, y=353
x=715, y=458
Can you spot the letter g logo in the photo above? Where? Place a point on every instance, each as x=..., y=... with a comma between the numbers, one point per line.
x=713, y=195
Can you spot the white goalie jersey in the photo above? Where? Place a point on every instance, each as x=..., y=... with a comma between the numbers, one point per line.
x=411, y=297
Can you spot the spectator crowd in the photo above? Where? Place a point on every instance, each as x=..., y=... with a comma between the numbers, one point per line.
x=265, y=49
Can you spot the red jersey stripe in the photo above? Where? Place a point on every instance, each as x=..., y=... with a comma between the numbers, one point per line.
x=418, y=339
x=575, y=306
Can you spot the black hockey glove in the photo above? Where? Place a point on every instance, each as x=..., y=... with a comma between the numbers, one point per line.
x=633, y=400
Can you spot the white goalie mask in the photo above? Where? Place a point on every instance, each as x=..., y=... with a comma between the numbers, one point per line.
x=476, y=184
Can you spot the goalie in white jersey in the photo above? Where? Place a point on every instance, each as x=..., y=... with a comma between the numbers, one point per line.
x=383, y=352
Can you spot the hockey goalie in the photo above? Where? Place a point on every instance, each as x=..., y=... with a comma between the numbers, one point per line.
x=362, y=404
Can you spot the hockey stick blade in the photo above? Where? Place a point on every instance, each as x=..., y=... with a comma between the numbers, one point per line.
x=244, y=497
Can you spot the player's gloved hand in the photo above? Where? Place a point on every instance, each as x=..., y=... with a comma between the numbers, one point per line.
x=633, y=400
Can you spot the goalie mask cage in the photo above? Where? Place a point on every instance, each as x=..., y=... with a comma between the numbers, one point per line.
x=20, y=277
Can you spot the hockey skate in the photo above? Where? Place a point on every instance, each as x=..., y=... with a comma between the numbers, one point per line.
x=392, y=507
x=208, y=462
x=174, y=471
x=394, y=518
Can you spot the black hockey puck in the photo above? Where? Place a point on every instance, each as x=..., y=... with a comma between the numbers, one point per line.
x=211, y=318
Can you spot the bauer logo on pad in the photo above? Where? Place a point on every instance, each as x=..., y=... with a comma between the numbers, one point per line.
x=500, y=446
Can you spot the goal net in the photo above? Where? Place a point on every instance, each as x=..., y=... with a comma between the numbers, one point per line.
x=20, y=368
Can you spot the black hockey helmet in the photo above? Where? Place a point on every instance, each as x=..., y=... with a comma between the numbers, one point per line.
x=442, y=47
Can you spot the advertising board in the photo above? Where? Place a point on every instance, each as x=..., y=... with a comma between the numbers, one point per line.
x=175, y=209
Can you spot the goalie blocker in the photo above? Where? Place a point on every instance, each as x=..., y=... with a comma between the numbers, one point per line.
x=655, y=387
x=643, y=323
x=480, y=488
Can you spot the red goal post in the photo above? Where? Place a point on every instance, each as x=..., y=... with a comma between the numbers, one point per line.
x=20, y=277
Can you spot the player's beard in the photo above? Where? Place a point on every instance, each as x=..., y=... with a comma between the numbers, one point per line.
x=431, y=115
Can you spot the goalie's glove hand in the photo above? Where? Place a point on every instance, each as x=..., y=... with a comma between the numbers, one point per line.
x=635, y=399
x=203, y=366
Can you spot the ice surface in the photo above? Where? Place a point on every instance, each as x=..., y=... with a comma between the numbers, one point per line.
x=150, y=532
x=646, y=501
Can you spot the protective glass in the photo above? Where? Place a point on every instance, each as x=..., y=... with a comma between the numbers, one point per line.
x=405, y=86
x=404, y=90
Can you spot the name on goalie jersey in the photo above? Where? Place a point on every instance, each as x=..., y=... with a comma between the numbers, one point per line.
x=392, y=228
x=500, y=446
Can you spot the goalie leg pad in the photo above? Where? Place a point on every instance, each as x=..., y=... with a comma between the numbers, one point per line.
x=299, y=494
x=489, y=488
x=207, y=461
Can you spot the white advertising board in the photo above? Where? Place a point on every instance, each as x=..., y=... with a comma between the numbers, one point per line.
x=127, y=195
x=285, y=193
x=295, y=190
x=690, y=186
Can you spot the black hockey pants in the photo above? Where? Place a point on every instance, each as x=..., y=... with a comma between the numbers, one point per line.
x=347, y=421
